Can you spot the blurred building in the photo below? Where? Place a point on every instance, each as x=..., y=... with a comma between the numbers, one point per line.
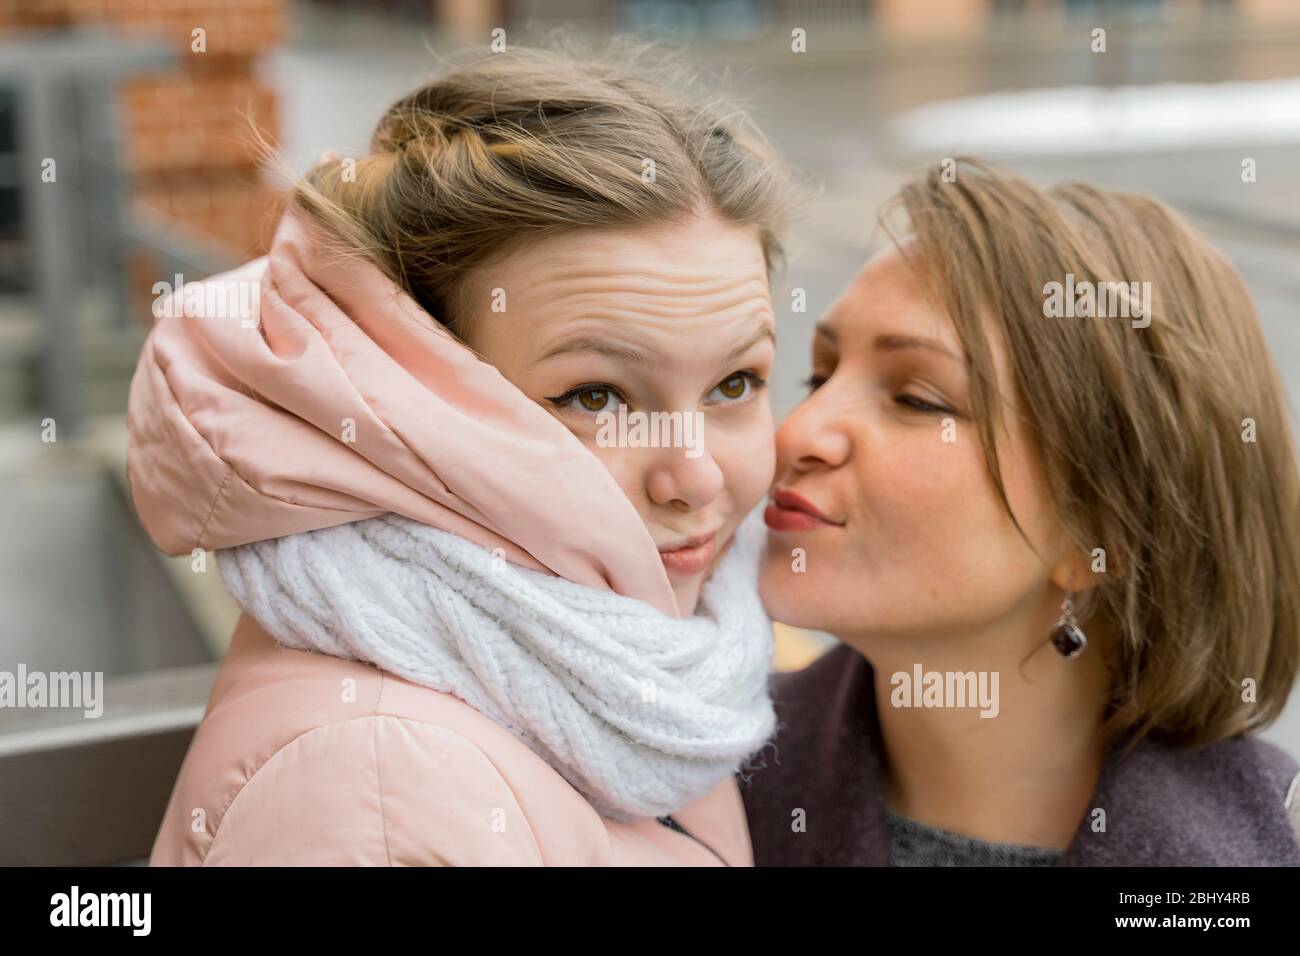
x=891, y=17
x=185, y=131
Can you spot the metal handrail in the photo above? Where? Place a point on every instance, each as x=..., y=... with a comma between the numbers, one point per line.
x=55, y=73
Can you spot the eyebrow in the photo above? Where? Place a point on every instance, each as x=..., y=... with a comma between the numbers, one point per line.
x=613, y=350
x=894, y=342
x=627, y=353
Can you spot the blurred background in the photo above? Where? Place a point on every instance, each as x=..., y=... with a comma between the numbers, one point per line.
x=125, y=161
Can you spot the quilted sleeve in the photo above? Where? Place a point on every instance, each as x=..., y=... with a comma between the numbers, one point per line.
x=375, y=791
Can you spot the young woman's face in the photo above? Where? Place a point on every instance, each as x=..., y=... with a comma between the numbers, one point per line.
x=671, y=319
x=912, y=540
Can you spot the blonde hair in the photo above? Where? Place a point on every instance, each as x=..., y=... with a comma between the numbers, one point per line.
x=1139, y=433
x=504, y=148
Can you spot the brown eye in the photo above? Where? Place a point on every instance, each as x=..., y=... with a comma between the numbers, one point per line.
x=736, y=388
x=589, y=399
x=733, y=387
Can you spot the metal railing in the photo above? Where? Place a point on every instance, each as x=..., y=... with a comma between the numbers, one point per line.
x=75, y=195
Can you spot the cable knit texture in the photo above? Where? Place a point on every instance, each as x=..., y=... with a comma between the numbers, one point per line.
x=639, y=711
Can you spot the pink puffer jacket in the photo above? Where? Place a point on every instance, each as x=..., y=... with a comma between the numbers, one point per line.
x=333, y=397
x=304, y=759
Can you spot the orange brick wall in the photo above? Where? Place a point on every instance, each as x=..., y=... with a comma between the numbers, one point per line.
x=194, y=122
x=233, y=27
x=188, y=133
x=235, y=209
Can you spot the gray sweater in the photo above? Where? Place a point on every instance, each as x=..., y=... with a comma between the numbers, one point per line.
x=816, y=794
x=913, y=843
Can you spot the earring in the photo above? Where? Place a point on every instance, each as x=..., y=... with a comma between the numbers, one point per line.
x=1066, y=635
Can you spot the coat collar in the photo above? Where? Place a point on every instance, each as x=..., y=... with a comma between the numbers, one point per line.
x=1220, y=805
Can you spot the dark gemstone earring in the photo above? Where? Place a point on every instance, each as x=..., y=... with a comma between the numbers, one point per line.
x=1066, y=635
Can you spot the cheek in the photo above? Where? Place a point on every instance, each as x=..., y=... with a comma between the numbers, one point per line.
x=934, y=527
x=928, y=545
x=921, y=505
x=626, y=468
x=746, y=454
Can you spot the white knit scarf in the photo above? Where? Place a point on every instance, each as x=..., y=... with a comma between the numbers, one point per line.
x=641, y=712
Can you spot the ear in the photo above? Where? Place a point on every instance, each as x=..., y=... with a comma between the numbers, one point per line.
x=1073, y=572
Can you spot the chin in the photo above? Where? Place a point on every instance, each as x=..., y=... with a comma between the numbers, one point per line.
x=794, y=598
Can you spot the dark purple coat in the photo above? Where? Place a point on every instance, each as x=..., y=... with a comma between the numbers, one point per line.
x=1221, y=805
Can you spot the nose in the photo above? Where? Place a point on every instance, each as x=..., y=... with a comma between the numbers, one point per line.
x=683, y=482
x=813, y=435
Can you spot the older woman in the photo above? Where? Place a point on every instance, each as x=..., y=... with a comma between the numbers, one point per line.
x=1058, y=546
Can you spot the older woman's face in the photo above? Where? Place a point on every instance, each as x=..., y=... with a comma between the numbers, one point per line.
x=673, y=319
x=912, y=539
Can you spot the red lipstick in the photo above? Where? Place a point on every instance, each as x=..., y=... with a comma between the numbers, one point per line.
x=789, y=511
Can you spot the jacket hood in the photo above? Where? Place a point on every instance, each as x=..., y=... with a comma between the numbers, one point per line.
x=304, y=390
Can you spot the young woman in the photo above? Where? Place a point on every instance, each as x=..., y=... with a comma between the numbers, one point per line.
x=1056, y=539
x=483, y=626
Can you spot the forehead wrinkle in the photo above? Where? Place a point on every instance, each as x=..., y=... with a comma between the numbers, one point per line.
x=618, y=340
x=598, y=303
x=666, y=298
x=702, y=280
x=652, y=310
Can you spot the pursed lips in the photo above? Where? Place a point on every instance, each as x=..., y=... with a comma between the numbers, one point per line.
x=790, y=511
